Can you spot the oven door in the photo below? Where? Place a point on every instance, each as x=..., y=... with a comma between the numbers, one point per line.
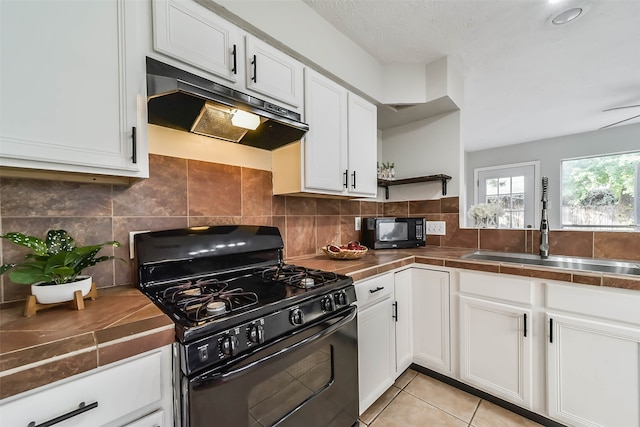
x=307, y=379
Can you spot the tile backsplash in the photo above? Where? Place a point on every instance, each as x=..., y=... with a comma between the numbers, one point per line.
x=181, y=193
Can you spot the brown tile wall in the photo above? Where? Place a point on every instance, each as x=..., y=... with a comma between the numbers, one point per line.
x=183, y=193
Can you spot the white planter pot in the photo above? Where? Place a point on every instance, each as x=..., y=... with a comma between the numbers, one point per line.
x=51, y=294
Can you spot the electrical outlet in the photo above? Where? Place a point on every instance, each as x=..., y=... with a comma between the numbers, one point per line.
x=358, y=223
x=437, y=228
x=131, y=234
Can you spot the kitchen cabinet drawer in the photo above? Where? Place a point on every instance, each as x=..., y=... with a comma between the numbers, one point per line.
x=370, y=291
x=496, y=286
x=622, y=305
x=155, y=419
x=107, y=395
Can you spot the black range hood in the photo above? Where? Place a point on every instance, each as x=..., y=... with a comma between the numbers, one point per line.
x=180, y=100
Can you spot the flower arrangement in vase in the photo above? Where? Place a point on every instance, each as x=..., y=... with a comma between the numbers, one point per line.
x=486, y=214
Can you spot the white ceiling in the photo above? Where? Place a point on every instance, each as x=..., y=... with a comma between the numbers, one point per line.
x=525, y=79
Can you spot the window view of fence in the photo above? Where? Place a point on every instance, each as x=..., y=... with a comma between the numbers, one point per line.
x=508, y=192
x=600, y=191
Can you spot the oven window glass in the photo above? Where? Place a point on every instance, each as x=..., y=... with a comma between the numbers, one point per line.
x=392, y=231
x=275, y=397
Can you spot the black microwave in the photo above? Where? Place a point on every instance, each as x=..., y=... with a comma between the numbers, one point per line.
x=391, y=233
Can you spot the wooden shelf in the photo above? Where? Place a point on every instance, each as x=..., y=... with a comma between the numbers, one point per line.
x=386, y=183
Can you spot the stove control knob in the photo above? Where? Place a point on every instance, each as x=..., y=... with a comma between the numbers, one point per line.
x=340, y=298
x=229, y=345
x=255, y=333
x=326, y=304
x=296, y=317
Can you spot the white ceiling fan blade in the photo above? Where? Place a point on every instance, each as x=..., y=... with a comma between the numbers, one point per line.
x=621, y=121
x=621, y=108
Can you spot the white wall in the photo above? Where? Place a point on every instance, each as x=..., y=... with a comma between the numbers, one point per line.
x=550, y=152
x=174, y=143
x=295, y=28
x=426, y=147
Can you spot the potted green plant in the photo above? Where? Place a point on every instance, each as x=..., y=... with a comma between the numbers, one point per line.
x=53, y=268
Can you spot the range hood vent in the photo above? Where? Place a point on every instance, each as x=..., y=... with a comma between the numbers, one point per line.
x=180, y=100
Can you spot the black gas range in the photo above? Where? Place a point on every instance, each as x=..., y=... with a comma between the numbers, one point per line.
x=239, y=308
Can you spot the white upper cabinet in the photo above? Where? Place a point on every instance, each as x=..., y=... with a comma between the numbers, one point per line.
x=273, y=73
x=73, y=87
x=338, y=154
x=325, y=144
x=363, y=178
x=195, y=35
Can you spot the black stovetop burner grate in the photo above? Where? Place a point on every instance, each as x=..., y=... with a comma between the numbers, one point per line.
x=300, y=277
x=207, y=299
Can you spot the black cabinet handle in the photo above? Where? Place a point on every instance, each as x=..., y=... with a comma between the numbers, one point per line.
x=373, y=291
x=551, y=331
x=82, y=407
x=255, y=69
x=235, y=61
x=525, y=325
x=134, y=146
x=395, y=311
x=353, y=184
x=346, y=178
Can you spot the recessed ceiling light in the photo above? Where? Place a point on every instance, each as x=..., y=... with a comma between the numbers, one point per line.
x=567, y=16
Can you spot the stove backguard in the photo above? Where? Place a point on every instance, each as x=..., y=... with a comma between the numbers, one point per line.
x=163, y=256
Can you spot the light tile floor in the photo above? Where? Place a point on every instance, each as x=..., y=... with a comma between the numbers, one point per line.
x=416, y=400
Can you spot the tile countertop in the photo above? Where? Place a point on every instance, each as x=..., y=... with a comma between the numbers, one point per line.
x=60, y=342
x=379, y=261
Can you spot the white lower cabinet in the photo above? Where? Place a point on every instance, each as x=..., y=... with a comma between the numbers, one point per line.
x=136, y=392
x=431, y=319
x=593, y=364
x=566, y=351
x=155, y=419
x=402, y=316
x=376, y=338
x=495, y=349
x=496, y=337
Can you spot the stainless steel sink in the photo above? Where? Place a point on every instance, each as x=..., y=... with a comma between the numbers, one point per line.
x=573, y=263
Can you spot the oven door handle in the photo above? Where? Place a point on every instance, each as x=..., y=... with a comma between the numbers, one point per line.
x=229, y=375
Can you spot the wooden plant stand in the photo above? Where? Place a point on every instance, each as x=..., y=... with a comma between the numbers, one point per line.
x=32, y=307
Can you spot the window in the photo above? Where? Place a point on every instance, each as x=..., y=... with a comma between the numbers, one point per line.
x=601, y=191
x=511, y=186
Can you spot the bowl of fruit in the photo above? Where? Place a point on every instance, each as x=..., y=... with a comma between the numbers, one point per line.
x=352, y=250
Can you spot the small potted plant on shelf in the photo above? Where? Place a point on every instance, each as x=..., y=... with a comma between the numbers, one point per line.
x=53, y=268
